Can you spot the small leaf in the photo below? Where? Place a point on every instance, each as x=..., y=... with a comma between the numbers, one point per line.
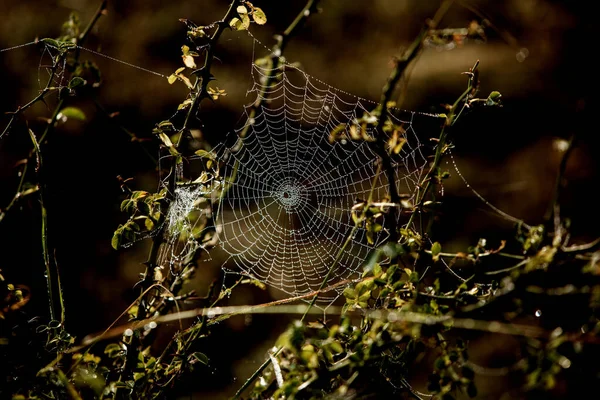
x=198, y=357
x=205, y=154
x=245, y=21
x=185, y=80
x=186, y=103
x=179, y=70
x=259, y=16
x=436, y=248
x=242, y=10
x=112, y=350
x=350, y=293
x=172, y=78
x=71, y=112
x=116, y=240
x=165, y=139
x=149, y=224
x=76, y=82
x=189, y=61
x=236, y=24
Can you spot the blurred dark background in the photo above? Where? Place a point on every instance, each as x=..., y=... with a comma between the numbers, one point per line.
x=538, y=55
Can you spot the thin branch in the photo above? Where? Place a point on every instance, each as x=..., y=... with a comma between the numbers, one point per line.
x=282, y=40
x=402, y=64
x=451, y=118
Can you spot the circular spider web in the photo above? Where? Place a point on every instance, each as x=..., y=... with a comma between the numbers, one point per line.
x=286, y=215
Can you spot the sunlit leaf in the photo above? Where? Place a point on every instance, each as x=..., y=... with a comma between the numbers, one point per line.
x=236, y=24
x=172, y=78
x=72, y=113
x=189, y=61
x=186, y=103
x=116, y=241
x=245, y=21
x=149, y=224
x=259, y=16
x=436, y=248
x=165, y=139
x=204, y=154
x=242, y=10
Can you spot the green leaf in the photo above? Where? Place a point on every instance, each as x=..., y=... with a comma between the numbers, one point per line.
x=350, y=293
x=436, y=249
x=236, y=24
x=245, y=21
x=259, y=16
x=165, y=139
x=205, y=154
x=116, y=240
x=126, y=205
x=166, y=125
x=198, y=357
x=242, y=10
x=76, y=82
x=72, y=112
x=172, y=78
x=149, y=224
x=112, y=350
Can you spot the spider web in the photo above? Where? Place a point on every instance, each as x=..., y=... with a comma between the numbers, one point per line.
x=286, y=216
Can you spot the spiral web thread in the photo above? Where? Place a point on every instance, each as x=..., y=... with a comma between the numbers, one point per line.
x=287, y=213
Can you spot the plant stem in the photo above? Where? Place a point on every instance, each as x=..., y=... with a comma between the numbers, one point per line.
x=282, y=41
x=198, y=93
x=401, y=65
x=558, y=184
x=451, y=119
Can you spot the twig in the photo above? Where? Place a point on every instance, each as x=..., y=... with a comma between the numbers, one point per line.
x=401, y=65
x=282, y=41
x=558, y=184
x=451, y=119
x=198, y=93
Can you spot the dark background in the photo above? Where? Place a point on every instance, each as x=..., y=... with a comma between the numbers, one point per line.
x=510, y=155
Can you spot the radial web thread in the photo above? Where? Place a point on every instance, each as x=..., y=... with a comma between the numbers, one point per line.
x=287, y=213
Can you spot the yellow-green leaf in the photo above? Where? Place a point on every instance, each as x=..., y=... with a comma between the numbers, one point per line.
x=172, y=78
x=165, y=139
x=149, y=224
x=259, y=16
x=71, y=112
x=436, y=248
x=245, y=21
x=186, y=81
x=242, y=10
x=186, y=103
x=204, y=154
x=116, y=241
x=236, y=24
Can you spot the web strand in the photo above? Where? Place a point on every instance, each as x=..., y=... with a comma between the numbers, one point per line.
x=286, y=215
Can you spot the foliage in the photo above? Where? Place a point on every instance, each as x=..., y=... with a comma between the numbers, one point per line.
x=408, y=307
